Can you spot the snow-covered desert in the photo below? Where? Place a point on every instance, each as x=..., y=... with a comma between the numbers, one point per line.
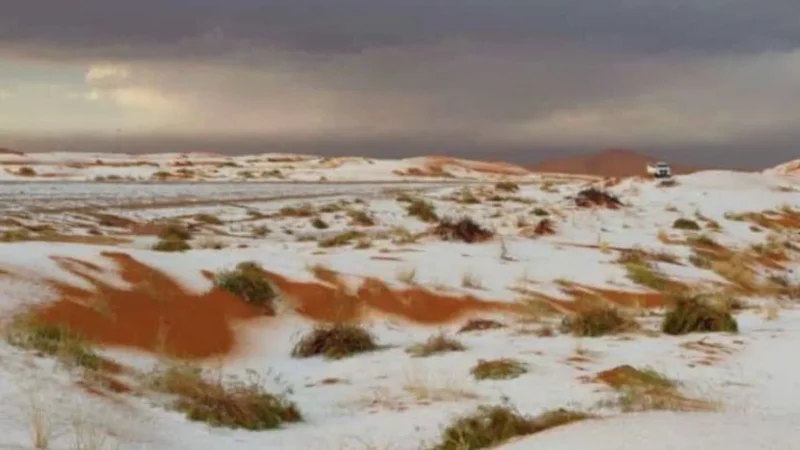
x=293, y=302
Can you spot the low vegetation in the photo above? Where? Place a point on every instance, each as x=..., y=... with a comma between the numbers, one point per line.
x=208, y=219
x=686, y=224
x=335, y=341
x=236, y=404
x=174, y=231
x=436, y=344
x=594, y=197
x=507, y=186
x=319, y=224
x=645, y=274
x=249, y=282
x=697, y=315
x=480, y=325
x=304, y=210
x=464, y=230
x=341, y=239
x=599, y=321
x=360, y=218
x=647, y=390
x=422, y=210
x=58, y=341
x=171, y=245
x=498, y=369
x=490, y=426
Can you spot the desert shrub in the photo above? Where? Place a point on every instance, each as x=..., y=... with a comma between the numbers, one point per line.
x=249, y=282
x=26, y=171
x=208, y=218
x=697, y=315
x=171, y=245
x=647, y=390
x=174, y=231
x=544, y=227
x=489, y=426
x=465, y=230
x=422, y=210
x=480, y=325
x=334, y=341
x=304, y=210
x=507, y=186
x=686, y=224
x=596, y=322
x=588, y=198
x=467, y=197
x=360, y=218
x=540, y=212
x=439, y=343
x=702, y=240
x=404, y=197
x=646, y=275
x=53, y=340
x=498, y=369
x=261, y=231
x=15, y=235
x=319, y=224
x=341, y=239
x=236, y=404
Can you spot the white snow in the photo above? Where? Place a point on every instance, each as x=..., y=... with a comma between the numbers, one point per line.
x=374, y=406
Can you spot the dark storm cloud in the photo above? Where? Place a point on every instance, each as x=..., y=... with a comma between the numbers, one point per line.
x=327, y=26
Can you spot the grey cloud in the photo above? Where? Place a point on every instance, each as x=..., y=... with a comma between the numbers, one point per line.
x=324, y=26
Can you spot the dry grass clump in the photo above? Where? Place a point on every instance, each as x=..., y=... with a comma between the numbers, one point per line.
x=592, y=197
x=422, y=210
x=436, y=344
x=26, y=171
x=465, y=230
x=249, y=282
x=647, y=390
x=341, y=239
x=645, y=274
x=15, y=235
x=702, y=240
x=783, y=287
x=236, y=404
x=490, y=426
x=540, y=212
x=498, y=369
x=208, y=219
x=319, y=224
x=544, y=227
x=467, y=197
x=471, y=281
x=480, y=325
x=173, y=237
x=304, y=210
x=58, y=341
x=686, y=224
x=174, y=231
x=171, y=245
x=360, y=218
x=599, y=321
x=697, y=315
x=335, y=341
x=507, y=186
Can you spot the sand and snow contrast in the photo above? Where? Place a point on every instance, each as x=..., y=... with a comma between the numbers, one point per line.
x=477, y=295
x=207, y=167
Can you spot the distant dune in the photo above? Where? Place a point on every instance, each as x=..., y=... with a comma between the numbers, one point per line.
x=607, y=163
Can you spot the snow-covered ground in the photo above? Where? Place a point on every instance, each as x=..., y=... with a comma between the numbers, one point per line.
x=387, y=399
x=266, y=167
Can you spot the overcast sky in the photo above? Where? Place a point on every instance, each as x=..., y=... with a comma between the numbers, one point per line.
x=697, y=79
